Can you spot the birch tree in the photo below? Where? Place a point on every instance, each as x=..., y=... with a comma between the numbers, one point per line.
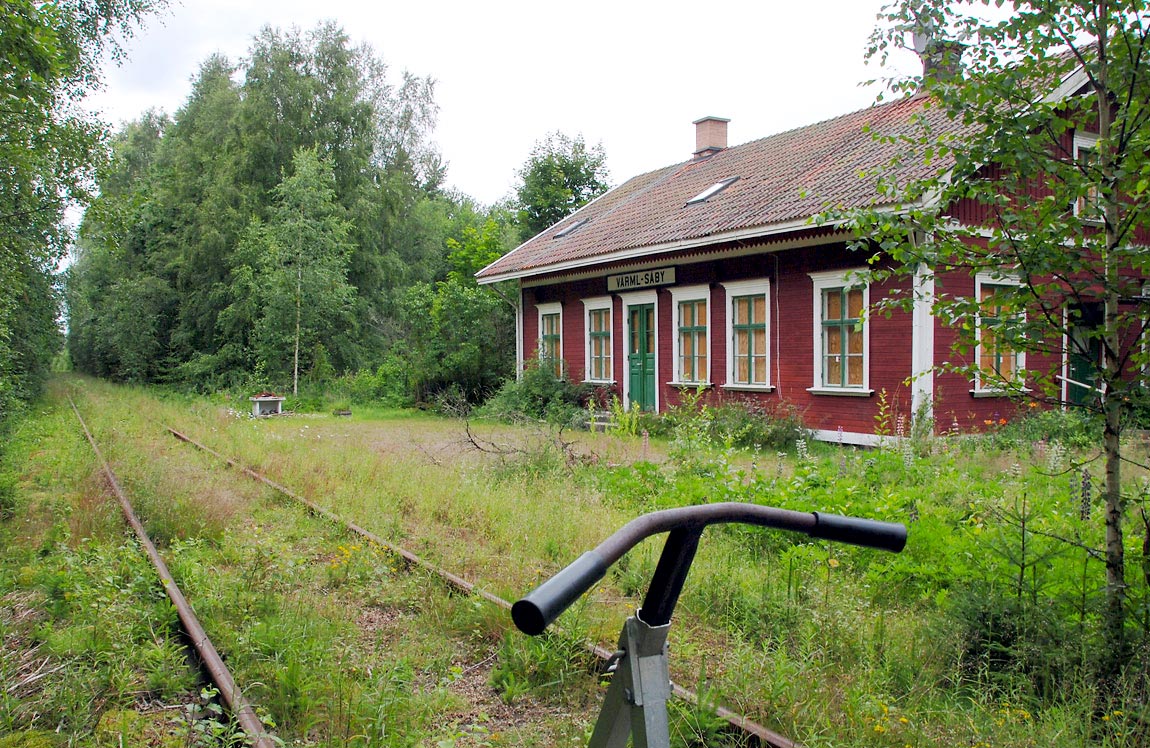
x=1054, y=149
x=302, y=257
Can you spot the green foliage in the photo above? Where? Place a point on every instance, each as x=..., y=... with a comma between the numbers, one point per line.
x=539, y=395
x=50, y=150
x=623, y=421
x=29, y=739
x=456, y=334
x=696, y=725
x=744, y=424
x=7, y=494
x=1072, y=429
x=102, y=608
x=561, y=175
x=1063, y=180
x=478, y=247
x=300, y=175
x=547, y=665
x=984, y=629
x=386, y=385
x=300, y=259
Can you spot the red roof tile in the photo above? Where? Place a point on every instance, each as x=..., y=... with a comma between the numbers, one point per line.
x=783, y=179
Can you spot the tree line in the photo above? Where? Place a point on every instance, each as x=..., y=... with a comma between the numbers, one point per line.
x=290, y=223
x=49, y=147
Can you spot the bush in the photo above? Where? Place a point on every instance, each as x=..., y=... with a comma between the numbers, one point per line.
x=745, y=424
x=539, y=395
x=1006, y=638
x=1074, y=429
x=772, y=426
x=386, y=386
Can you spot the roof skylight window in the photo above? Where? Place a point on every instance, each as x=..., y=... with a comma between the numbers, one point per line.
x=711, y=191
x=570, y=229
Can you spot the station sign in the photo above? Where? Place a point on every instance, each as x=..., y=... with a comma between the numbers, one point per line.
x=640, y=279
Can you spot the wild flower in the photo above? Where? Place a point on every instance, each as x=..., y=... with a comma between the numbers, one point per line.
x=1086, y=496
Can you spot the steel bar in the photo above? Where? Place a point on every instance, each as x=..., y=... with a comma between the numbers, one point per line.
x=539, y=608
x=670, y=576
x=245, y=715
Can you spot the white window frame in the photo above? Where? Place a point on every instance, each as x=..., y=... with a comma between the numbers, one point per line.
x=849, y=278
x=992, y=279
x=1088, y=141
x=551, y=307
x=681, y=294
x=757, y=287
x=596, y=304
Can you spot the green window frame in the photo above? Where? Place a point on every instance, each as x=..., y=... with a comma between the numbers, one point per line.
x=691, y=366
x=551, y=340
x=599, y=344
x=749, y=339
x=843, y=341
x=997, y=361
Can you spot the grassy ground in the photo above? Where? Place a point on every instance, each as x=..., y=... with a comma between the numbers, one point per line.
x=333, y=640
x=978, y=634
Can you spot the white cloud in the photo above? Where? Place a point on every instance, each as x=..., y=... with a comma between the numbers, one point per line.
x=632, y=75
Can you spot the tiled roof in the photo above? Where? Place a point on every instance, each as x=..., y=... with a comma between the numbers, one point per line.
x=783, y=179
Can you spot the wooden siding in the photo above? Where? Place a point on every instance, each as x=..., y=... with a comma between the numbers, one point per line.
x=791, y=340
x=790, y=336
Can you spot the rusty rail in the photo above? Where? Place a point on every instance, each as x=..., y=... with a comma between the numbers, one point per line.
x=760, y=733
x=245, y=715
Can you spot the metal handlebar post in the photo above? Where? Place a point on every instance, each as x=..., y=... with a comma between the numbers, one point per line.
x=636, y=701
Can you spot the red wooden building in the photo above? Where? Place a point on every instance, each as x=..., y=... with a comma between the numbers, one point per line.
x=710, y=273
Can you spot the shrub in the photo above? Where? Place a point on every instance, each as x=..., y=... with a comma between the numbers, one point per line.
x=539, y=395
x=745, y=424
x=1074, y=429
x=753, y=425
x=387, y=385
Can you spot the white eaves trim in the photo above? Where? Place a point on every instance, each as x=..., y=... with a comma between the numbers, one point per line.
x=1069, y=86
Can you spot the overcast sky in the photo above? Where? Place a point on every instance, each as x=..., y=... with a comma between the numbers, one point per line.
x=630, y=75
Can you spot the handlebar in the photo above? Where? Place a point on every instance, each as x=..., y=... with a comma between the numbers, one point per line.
x=539, y=608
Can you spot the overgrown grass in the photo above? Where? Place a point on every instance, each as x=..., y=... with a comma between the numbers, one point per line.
x=336, y=642
x=982, y=631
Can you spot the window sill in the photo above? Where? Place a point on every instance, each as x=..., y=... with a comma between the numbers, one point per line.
x=604, y=382
x=690, y=385
x=841, y=391
x=749, y=387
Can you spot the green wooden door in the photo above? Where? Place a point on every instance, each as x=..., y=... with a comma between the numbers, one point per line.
x=641, y=356
x=1085, y=355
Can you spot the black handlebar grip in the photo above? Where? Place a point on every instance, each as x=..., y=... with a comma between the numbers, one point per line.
x=888, y=536
x=539, y=608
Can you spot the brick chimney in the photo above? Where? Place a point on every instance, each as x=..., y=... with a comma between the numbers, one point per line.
x=710, y=136
x=941, y=58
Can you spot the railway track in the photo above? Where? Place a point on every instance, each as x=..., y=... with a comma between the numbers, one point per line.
x=256, y=733
x=241, y=709
x=759, y=734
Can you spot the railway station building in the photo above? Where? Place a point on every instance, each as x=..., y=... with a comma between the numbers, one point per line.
x=713, y=273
